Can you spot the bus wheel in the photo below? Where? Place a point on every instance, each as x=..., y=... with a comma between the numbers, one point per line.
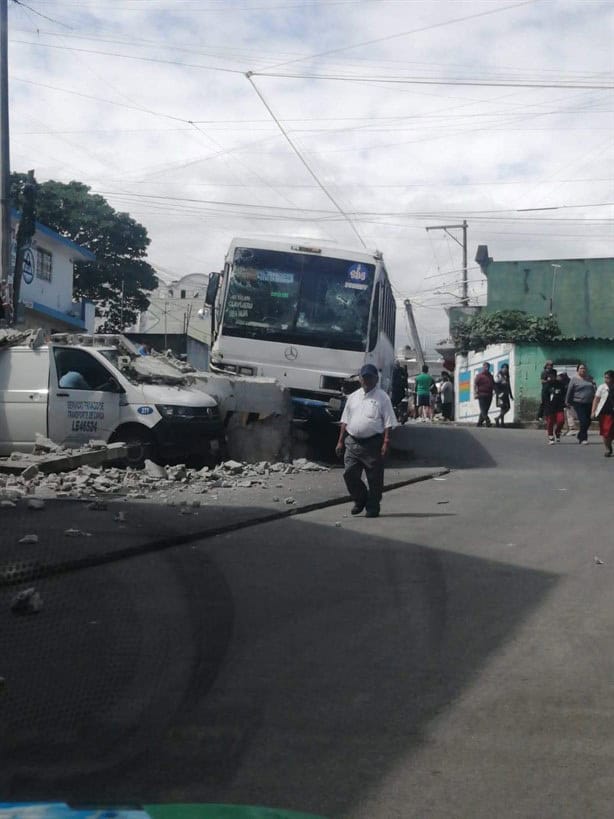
x=140, y=446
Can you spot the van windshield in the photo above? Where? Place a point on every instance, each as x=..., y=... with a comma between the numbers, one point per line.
x=299, y=299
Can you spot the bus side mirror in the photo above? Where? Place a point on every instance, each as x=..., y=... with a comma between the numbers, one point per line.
x=212, y=288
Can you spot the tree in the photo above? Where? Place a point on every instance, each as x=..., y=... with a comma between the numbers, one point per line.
x=512, y=326
x=119, y=242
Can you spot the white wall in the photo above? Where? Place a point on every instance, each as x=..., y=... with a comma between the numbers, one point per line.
x=467, y=409
x=56, y=293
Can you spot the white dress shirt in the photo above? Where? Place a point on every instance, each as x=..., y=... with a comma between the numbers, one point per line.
x=368, y=413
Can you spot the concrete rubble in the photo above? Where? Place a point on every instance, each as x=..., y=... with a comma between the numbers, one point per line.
x=27, y=601
x=164, y=484
x=48, y=457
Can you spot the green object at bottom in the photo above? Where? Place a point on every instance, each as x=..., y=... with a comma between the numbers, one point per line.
x=222, y=812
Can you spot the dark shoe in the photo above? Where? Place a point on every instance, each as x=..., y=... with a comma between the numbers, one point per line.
x=488, y=423
x=607, y=454
x=497, y=421
x=357, y=509
x=372, y=513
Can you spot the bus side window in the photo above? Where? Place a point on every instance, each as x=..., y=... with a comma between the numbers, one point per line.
x=374, y=328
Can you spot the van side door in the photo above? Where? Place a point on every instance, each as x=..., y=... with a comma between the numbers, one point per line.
x=84, y=398
x=24, y=387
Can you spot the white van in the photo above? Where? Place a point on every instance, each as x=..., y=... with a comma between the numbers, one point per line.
x=72, y=393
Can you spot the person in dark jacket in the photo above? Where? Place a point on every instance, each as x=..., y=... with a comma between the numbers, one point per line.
x=503, y=390
x=483, y=389
x=553, y=402
x=580, y=394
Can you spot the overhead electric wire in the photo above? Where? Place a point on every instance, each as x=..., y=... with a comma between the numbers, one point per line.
x=40, y=14
x=405, y=33
x=437, y=81
x=302, y=159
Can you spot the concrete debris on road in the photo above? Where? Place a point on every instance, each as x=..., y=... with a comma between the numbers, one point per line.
x=27, y=601
x=49, y=458
x=94, y=483
x=599, y=561
x=76, y=533
x=36, y=504
x=28, y=539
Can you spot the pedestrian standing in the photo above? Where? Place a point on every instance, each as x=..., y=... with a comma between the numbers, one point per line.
x=571, y=421
x=446, y=393
x=503, y=389
x=483, y=389
x=548, y=368
x=603, y=411
x=553, y=402
x=424, y=386
x=580, y=394
x=366, y=423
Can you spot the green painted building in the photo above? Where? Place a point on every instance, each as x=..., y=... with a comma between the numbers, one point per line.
x=597, y=354
x=579, y=293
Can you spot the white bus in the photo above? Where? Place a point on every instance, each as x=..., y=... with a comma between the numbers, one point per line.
x=307, y=316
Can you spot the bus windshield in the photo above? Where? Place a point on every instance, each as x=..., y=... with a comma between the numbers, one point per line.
x=297, y=298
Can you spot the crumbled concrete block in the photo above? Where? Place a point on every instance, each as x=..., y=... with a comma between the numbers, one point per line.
x=96, y=444
x=36, y=504
x=7, y=504
x=177, y=473
x=29, y=472
x=233, y=467
x=43, y=445
x=76, y=533
x=245, y=484
x=26, y=539
x=155, y=470
x=289, y=501
x=27, y=601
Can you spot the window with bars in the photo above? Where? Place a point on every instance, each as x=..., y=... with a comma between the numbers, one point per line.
x=44, y=265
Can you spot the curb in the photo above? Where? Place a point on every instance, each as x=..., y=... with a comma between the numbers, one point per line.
x=18, y=573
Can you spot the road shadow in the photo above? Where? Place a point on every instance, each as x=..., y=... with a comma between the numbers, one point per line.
x=451, y=446
x=292, y=664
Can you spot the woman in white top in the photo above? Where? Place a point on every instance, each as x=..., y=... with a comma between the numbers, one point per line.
x=603, y=411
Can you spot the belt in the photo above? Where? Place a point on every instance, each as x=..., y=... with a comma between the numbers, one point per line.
x=370, y=438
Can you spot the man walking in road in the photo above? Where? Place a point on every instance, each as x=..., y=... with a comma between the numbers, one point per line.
x=483, y=389
x=366, y=423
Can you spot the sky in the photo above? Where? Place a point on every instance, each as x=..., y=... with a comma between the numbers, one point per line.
x=348, y=122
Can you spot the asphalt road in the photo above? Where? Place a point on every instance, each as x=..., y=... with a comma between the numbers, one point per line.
x=453, y=658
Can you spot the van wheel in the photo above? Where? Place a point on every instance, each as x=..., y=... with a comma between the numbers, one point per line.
x=140, y=446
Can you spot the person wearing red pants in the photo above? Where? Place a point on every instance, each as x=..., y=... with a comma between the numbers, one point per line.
x=603, y=411
x=553, y=403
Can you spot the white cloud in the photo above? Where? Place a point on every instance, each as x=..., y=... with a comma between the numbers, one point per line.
x=402, y=156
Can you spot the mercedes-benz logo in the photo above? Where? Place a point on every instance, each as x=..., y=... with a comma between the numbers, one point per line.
x=291, y=353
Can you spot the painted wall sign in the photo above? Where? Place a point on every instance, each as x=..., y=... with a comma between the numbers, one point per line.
x=27, y=271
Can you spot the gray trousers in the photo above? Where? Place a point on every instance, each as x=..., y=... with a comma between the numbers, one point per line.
x=364, y=455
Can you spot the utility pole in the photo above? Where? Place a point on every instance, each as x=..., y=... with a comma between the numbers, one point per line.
x=23, y=239
x=5, y=165
x=415, y=338
x=463, y=244
x=555, y=270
